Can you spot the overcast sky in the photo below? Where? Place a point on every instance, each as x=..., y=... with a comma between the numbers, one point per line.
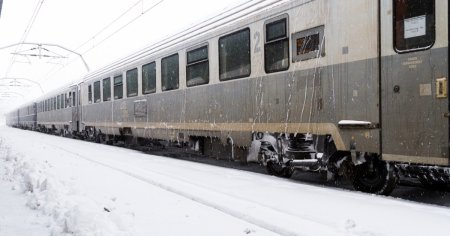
x=73, y=25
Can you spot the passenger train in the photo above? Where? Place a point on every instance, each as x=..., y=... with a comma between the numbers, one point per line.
x=354, y=88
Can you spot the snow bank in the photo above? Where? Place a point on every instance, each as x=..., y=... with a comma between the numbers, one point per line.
x=71, y=211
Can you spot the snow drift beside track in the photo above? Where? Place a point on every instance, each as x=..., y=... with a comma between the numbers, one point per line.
x=73, y=214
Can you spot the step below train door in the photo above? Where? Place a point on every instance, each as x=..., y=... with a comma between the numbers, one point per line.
x=414, y=81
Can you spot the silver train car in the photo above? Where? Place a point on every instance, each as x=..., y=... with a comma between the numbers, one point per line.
x=355, y=88
x=23, y=117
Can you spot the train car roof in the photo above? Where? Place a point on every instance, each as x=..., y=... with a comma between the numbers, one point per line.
x=218, y=25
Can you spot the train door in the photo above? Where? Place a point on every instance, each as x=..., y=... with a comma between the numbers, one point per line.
x=414, y=81
x=74, y=106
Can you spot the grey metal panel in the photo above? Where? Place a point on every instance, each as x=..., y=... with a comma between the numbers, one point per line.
x=320, y=95
x=414, y=122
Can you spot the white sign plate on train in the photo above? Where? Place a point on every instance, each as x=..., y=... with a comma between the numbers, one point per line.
x=415, y=27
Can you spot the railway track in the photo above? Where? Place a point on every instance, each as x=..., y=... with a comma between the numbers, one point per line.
x=205, y=195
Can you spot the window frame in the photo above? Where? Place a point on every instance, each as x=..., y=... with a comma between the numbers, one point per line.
x=116, y=85
x=394, y=31
x=145, y=85
x=106, y=98
x=313, y=54
x=283, y=17
x=99, y=99
x=162, y=72
x=58, y=102
x=198, y=62
x=90, y=93
x=250, y=54
x=128, y=83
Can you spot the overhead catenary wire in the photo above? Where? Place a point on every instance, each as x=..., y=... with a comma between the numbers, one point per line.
x=198, y=29
x=143, y=12
x=195, y=28
x=124, y=26
x=25, y=34
x=110, y=24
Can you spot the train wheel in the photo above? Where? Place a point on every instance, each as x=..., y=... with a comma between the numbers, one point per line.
x=375, y=176
x=278, y=170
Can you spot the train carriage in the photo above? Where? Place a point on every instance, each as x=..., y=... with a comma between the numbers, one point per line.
x=12, y=118
x=58, y=112
x=26, y=116
x=351, y=87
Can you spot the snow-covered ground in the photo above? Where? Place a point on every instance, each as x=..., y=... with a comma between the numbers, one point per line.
x=71, y=187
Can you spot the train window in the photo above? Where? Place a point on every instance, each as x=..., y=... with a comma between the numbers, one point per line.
x=414, y=25
x=197, y=68
x=170, y=72
x=54, y=103
x=63, y=105
x=276, y=47
x=149, y=78
x=58, y=102
x=132, y=83
x=118, y=87
x=308, y=44
x=107, y=89
x=69, y=99
x=73, y=99
x=90, y=94
x=97, y=92
x=234, y=55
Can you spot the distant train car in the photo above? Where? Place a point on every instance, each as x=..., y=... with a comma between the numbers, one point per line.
x=27, y=116
x=12, y=118
x=58, y=112
x=352, y=87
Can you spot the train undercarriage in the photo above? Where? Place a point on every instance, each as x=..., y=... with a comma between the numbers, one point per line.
x=283, y=154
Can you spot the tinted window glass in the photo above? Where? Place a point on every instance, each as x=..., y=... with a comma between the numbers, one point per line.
x=118, y=87
x=90, y=93
x=63, y=105
x=169, y=72
x=276, y=30
x=132, y=83
x=197, y=69
x=107, y=89
x=276, y=49
x=58, y=104
x=97, y=91
x=234, y=55
x=414, y=24
x=73, y=98
x=149, y=78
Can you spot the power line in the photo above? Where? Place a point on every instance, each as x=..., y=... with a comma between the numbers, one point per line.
x=122, y=27
x=25, y=34
x=110, y=24
x=55, y=70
